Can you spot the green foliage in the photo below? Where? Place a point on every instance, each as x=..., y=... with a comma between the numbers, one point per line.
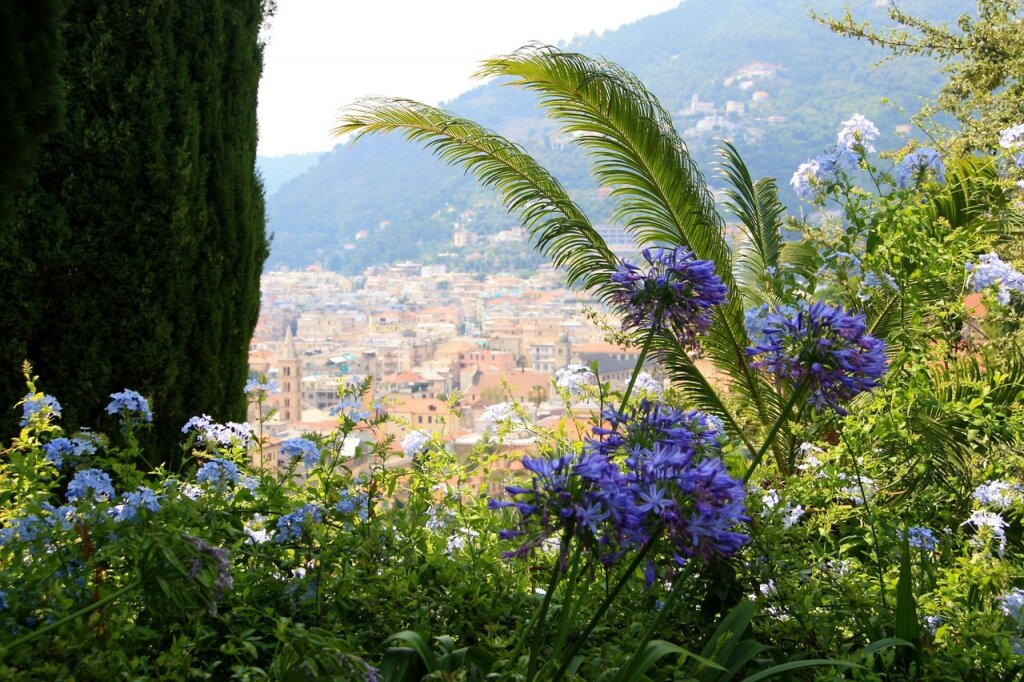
x=141, y=232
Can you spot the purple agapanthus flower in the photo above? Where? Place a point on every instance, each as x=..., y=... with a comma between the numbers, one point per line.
x=654, y=472
x=131, y=406
x=823, y=347
x=919, y=166
x=676, y=292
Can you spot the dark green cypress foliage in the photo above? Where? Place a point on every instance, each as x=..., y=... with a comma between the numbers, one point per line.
x=148, y=212
x=31, y=100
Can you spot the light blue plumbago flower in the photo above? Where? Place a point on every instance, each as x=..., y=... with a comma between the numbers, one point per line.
x=806, y=180
x=210, y=432
x=988, y=523
x=303, y=449
x=415, y=443
x=991, y=271
x=996, y=494
x=133, y=502
x=350, y=503
x=39, y=403
x=1012, y=137
x=857, y=134
x=496, y=414
x=920, y=537
x=835, y=161
x=92, y=481
x=351, y=408
x=1012, y=603
x=918, y=166
x=219, y=473
x=648, y=384
x=131, y=407
x=933, y=623
x=573, y=378
x=71, y=449
x=292, y=526
x=255, y=388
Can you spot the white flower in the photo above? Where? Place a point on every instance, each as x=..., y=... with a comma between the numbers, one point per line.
x=648, y=384
x=792, y=516
x=574, y=378
x=987, y=523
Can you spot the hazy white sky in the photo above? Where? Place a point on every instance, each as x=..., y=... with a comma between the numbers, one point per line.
x=323, y=54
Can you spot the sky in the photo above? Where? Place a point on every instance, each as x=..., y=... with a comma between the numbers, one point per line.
x=323, y=54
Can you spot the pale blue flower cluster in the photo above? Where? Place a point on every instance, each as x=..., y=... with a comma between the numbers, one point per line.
x=303, y=449
x=573, y=378
x=92, y=481
x=219, y=473
x=921, y=537
x=39, y=403
x=352, y=409
x=857, y=134
x=350, y=503
x=292, y=526
x=133, y=502
x=1012, y=604
x=1013, y=139
x=497, y=414
x=996, y=494
x=648, y=384
x=212, y=433
x=990, y=271
x=988, y=523
x=256, y=388
x=415, y=443
x=918, y=166
x=131, y=407
x=72, y=449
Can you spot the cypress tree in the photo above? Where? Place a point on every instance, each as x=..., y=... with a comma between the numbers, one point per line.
x=30, y=109
x=147, y=215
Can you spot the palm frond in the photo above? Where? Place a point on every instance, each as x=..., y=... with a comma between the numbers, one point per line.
x=559, y=228
x=757, y=206
x=660, y=194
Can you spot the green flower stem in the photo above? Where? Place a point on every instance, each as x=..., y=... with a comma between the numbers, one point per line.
x=531, y=666
x=871, y=518
x=625, y=674
x=639, y=364
x=626, y=575
x=783, y=415
x=569, y=610
x=542, y=609
x=70, y=617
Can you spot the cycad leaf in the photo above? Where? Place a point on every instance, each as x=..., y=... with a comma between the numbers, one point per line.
x=559, y=228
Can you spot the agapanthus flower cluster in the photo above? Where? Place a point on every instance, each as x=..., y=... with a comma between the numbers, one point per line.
x=70, y=450
x=756, y=319
x=92, y=483
x=292, y=526
x=573, y=378
x=493, y=415
x=131, y=406
x=825, y=349
x=415, y=443
x=991, y=271
x=661, y=476
x=918, y=166
x=996, y=494
x=676, y=292
x=219, y=473
x=39, y=403
x=302, y=449
x=231, y=434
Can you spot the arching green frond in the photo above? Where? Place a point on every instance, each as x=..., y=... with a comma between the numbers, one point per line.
x=756, y=205
x=969, y=195
x=559, y=228
x=660, y=193
x=800, y=258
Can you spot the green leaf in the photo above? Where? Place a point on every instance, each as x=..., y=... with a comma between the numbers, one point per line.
x=420, y=646
x=777, y=670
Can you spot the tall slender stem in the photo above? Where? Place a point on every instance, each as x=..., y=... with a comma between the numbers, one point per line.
x=626, y=575
x=625, y=674
x=871, y=518
x=783, y=415
x=639, y=364
x=556, y=572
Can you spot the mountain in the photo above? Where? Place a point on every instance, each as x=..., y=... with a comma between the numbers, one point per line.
x=277, y=170
x=758, y=72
